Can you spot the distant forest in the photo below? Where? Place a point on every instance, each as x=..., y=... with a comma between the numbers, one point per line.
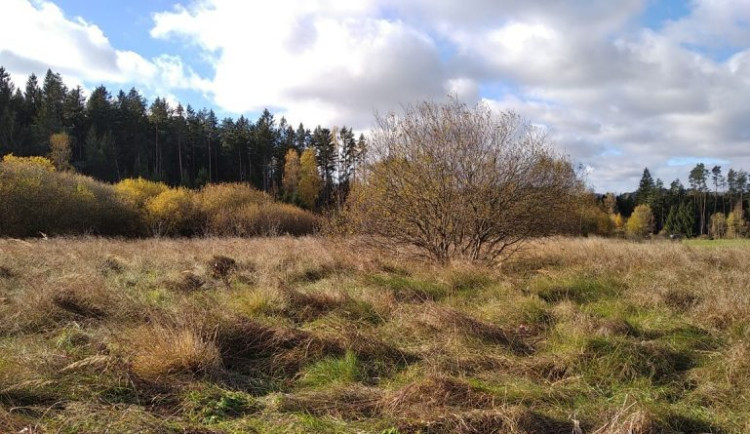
x=713, y=204
x=113, y=138
x=117, y=137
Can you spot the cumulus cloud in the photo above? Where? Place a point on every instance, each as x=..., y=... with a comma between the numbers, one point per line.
x=612, y=93
x=317, y=61
x=36, y=36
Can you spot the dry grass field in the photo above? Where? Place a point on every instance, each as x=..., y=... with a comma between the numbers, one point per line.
x=297, y=335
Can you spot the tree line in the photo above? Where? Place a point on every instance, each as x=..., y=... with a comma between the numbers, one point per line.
x=713, y=204
x=112, y=138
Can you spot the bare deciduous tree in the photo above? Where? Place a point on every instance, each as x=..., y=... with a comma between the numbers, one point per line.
x=460, y=181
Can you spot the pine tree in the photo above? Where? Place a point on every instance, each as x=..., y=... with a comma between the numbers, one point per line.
x=719, y=182
x=698, y=177
x=686, y=219
x=49, y=118
x=8, y=113
x=325, y=144
x=645, y=188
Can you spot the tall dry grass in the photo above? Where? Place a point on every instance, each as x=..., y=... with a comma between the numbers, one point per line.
x=327, y=335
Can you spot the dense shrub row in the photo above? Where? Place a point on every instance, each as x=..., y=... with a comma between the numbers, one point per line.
x=34, y=199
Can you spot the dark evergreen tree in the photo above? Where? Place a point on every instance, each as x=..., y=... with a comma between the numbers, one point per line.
x=75, y=122
x=326, y=153
x=8, y=113
x=698, y=177
x=645, y=188
x=49, y=117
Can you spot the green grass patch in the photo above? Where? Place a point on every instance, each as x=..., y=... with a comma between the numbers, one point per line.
x=343, y=370
x=213, y=404
x=579, y=289
x=408, y=288
x=605, y=361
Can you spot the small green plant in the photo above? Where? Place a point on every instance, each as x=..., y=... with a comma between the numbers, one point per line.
x=347, y=369
x=213, y=405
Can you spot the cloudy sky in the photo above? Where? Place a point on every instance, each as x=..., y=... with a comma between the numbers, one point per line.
x=620, y=85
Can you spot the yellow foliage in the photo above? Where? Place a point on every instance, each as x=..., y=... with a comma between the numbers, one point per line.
x=310, y=182
x=42, y=162
x=290, y=180
x=641, y=222
x=736, y=224
x=240, y=210
x=35, y=198
x=718, y=225
x=172, y=212
x=214, y=198
x=137, y=191
x=60, y=151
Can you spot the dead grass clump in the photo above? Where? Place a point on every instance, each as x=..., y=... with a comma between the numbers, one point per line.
x=112, y=265
x=614, y=327
x=680, y=299
x=75, y=298
x=95, y=417
x=6, y=273
x=435, y=394
x=443, y=319
x=188, y=282
x=222, y=266
x=512, y=421
x=247, y=346
x=14, y=423
x=604, y=360
x=162, y=352
x=77, y=304
x=629, y=419
x=348, y=402
x=30, y=393
x=304, y=307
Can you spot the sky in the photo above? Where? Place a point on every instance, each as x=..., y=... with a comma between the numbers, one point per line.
x=618, y=85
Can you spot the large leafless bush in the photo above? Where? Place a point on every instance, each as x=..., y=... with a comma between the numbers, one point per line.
x=461, y=181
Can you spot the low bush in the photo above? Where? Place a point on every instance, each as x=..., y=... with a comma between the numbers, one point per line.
x=35, y=199
x=172, y=212
x=240, y=210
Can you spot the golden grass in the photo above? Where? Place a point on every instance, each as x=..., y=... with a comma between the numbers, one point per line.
x=330, y=335
x=161, y=352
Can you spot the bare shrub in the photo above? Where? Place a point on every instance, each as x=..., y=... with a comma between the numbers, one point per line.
x=459, y=181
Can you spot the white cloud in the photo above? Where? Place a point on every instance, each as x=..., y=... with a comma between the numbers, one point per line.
x=614, y=95
x=317, y=61
x=36, y=36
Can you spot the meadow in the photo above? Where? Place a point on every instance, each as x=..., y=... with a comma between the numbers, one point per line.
x=315, y=334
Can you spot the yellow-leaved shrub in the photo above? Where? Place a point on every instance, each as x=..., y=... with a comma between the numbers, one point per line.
x=37, y=161
x=172, y=212
x=239, y=210
x=35, y=199
x=138, y=191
